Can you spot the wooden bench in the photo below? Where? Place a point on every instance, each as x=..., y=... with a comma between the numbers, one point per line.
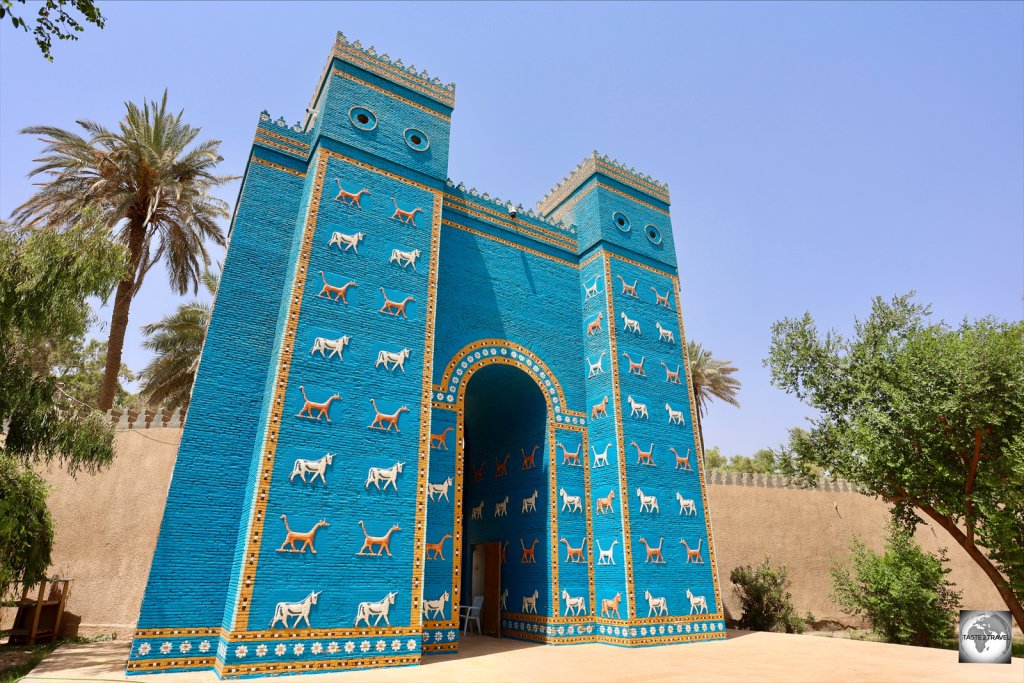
x=38, y=619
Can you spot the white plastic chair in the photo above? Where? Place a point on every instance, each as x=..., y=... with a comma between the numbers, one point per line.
x=472, y=613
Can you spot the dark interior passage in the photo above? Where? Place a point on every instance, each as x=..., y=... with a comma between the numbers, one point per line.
x=506, y=498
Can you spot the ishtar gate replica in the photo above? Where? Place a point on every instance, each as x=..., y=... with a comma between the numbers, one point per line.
x=413, y=394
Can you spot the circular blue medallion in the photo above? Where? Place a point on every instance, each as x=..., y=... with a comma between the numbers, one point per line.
x=416, y=139
x=362, y=118
x=621, y=221
x=653, y=234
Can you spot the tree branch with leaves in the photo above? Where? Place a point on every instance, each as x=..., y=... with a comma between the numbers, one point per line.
x=927, y=416
x=45, y=278
x=53, y=20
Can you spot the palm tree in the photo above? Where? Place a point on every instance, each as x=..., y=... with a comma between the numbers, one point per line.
x=151, y=192
x=177, y=340
x=711, y=379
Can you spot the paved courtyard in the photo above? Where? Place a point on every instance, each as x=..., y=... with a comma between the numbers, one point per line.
x=745, y=656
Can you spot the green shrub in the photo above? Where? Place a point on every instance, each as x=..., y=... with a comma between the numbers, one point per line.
x=767, y=604
x=903, y=593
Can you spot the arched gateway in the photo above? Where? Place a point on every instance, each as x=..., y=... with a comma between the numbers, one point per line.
x=412, y=394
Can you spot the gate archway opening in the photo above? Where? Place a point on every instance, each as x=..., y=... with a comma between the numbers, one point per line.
x=506, y=523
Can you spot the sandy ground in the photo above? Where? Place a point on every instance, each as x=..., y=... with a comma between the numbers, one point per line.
x=745, y=656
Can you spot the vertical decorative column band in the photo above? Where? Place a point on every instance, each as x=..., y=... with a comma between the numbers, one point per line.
x=627, y=546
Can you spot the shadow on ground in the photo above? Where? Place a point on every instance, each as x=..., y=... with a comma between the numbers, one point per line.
x=89, y=660
x=471, y=646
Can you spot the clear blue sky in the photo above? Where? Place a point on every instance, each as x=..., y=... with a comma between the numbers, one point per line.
x=817, y=154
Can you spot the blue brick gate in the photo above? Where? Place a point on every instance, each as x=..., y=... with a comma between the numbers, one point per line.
x=398, y=368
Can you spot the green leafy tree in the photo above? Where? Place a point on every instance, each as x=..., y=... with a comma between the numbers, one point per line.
x=764, y=595
x=929, y=417
x=762, y=462
x=903, y=592
x=147, y=187
x=792, y=459
x=53, y=20
x=45, y=278
x=710, y=378
x=713, y=459
x=177, y=340
x=78, y=366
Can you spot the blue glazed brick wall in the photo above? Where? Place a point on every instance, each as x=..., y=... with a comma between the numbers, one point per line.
x=290, y=576
x=487, y=292
x=188, y=581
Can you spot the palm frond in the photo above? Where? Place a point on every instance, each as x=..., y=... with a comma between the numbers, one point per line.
x=712, y=378
x=149, y=182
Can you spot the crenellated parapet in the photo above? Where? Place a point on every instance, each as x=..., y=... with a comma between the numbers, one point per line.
x=277, y=134
x=616, y=170
x=776, y=481
x=506, y=208
x=381, y=64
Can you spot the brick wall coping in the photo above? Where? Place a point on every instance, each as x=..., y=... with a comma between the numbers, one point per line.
x=775, y=481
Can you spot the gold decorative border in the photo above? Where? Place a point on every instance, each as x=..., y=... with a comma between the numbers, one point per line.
x=556, y=207
x=260, y=140
x=402, y=78
x=269, y=448
x=457, y=507
x=371, y=86
x=662, y=273
x=284, y=138
x=648, y=621
x=171, y=663
x=416, y=617
x=674, y=639
x=183, y=632
x=620, y=428
x=697, y=447
x=598, y=184
x=509, y=243
x=590, y=167
x=592, y=585
x=487, y=213
x=303, y=146
x=269, y=443
x=556, y=597
x=309, y=634
x=380, y=171
x=634, y=181
x=437, y=648
x=570, y=185
x=269, y=635
x=512, y=227
x=631, y=198
x=468, y=349
x=618, y=641
x=590, y=259
x=279, y=167
x=276, y=668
